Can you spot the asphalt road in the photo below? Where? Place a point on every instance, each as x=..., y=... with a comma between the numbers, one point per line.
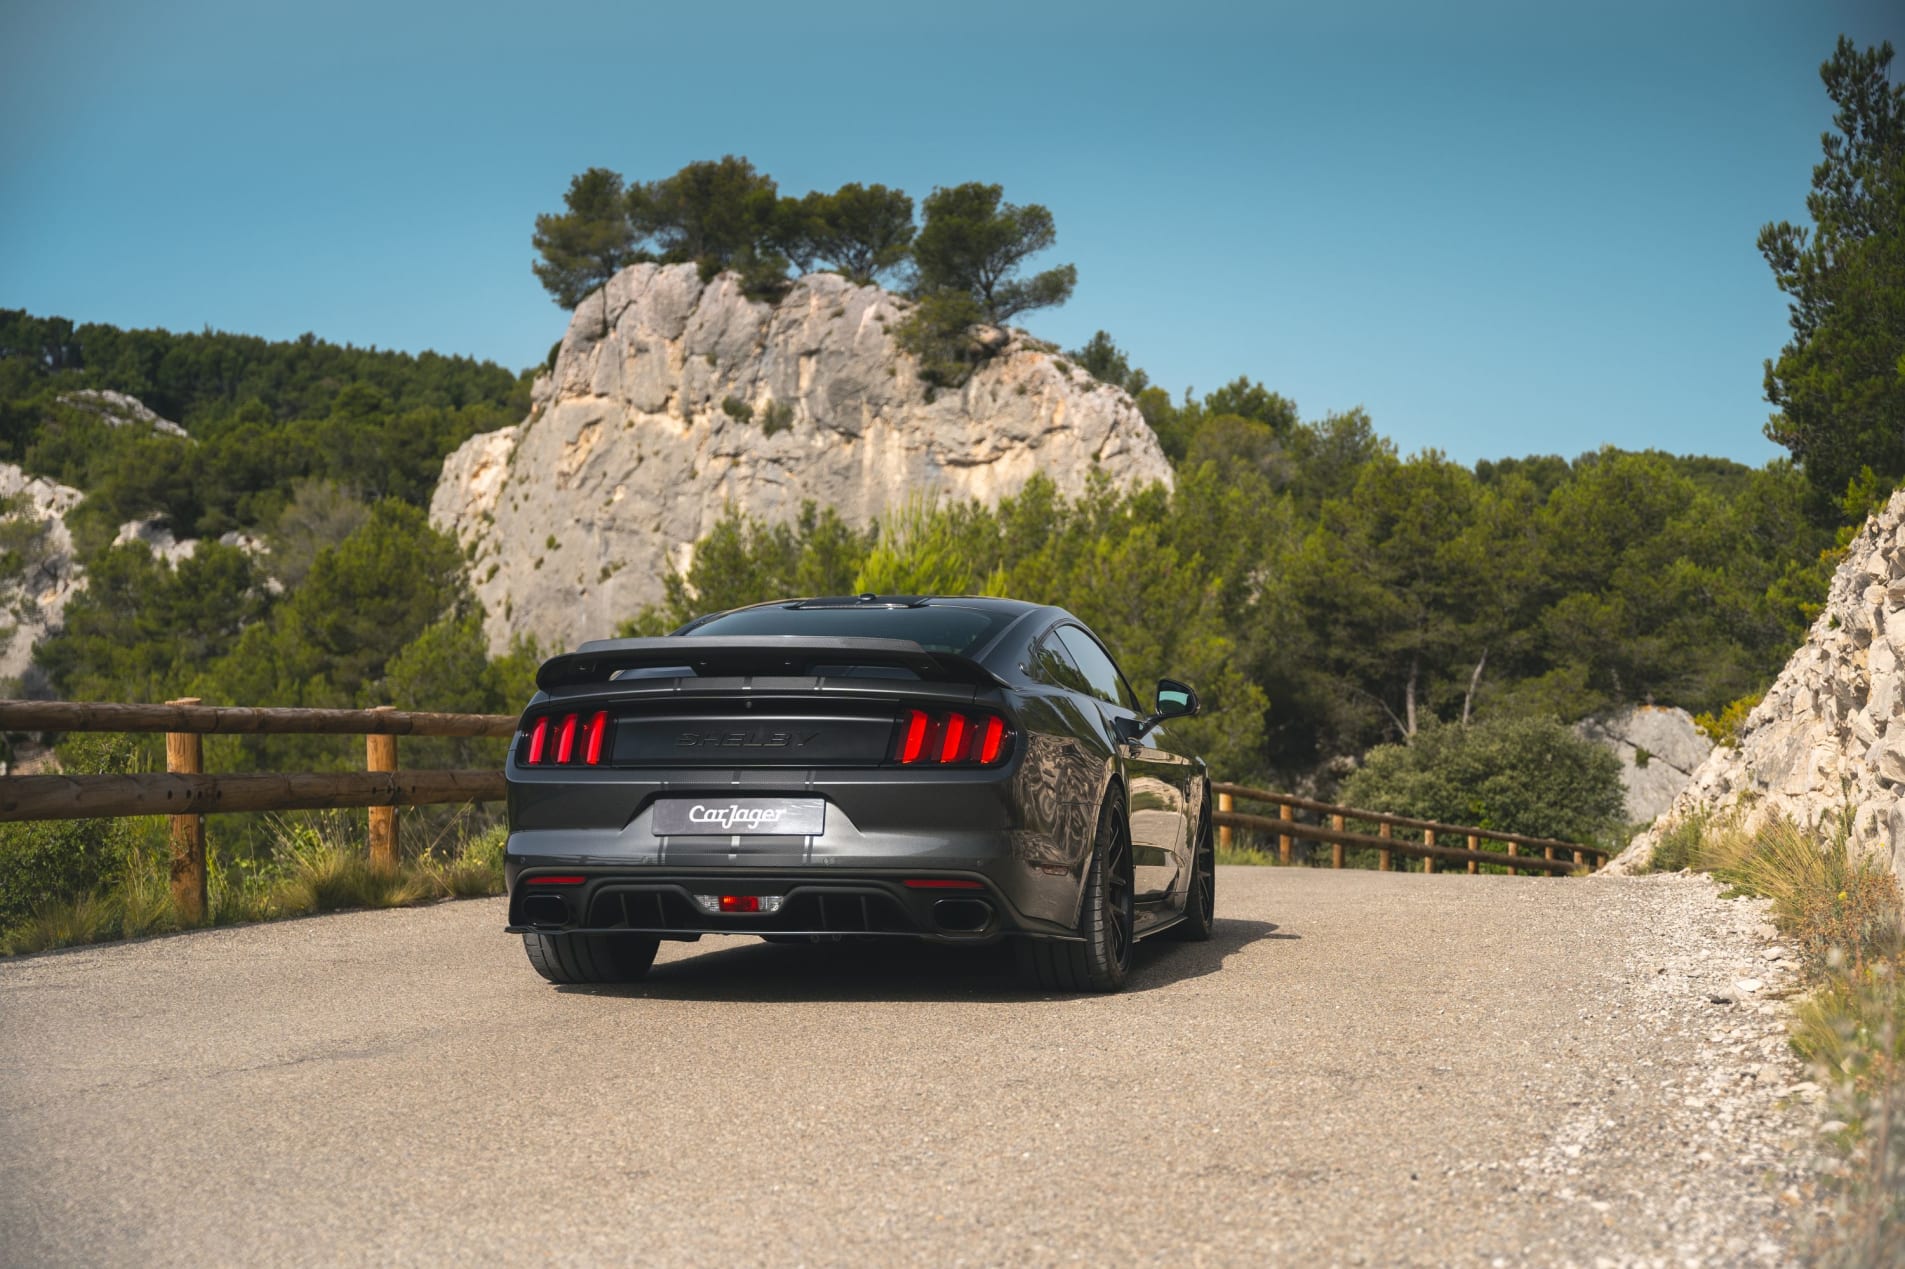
x=1360, y=1068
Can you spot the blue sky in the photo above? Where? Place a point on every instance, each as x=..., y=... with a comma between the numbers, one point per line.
x=1501, y=228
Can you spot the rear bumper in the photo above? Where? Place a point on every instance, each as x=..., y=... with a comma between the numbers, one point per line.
x=881, y=827
x=964, y=907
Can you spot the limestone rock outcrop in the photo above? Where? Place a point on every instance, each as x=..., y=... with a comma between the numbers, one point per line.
x=671, y=400
x=1829, y=736
x=1659, y=749
x=121, y=410
x=33, y=600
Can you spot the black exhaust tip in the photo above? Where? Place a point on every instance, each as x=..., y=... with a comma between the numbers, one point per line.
x=545, y=909
x=962, y=916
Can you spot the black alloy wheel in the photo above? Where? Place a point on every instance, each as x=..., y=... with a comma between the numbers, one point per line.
x=591, y=958
x=1103, y=960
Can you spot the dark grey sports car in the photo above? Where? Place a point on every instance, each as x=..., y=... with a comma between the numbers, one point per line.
x=959, y=770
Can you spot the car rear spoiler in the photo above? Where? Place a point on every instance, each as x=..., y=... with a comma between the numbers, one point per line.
x=796, y=655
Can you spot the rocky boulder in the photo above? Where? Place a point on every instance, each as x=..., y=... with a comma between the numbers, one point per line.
x=672, y=400
x=1829, y=736
x=1659, y=748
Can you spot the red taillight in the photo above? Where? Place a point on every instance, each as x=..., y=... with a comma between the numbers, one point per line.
x=554, y=881
x=953, y=747
x=948, y=738
x=942, y=883
x=598, y=728
x=740, y=903
x=913, y=741
x=993, y=741
x=576, y=738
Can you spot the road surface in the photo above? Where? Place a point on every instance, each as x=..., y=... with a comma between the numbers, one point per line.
x=1361, y=1068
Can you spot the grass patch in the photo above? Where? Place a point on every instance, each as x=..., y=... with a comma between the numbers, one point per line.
x=1680, y=843
x=311, y=863
x=1245, y=855
x=1830, y=900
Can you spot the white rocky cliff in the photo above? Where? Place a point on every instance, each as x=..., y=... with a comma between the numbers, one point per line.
x=671, y=400
x=39, y=574
x=1829, y=737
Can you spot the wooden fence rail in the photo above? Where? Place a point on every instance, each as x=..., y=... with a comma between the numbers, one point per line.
x=98, y=797
x=1557, y=857
x=190, y=716
x=187, y=794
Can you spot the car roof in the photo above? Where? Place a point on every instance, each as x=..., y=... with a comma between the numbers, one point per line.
x=1020, y=611
x=989, y=603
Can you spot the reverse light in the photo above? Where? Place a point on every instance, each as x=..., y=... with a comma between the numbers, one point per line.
x=740, y=904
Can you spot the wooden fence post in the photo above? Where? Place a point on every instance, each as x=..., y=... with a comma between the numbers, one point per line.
x=1428, y=839
x=1513, y=852
x=191, y=893
x=1547, y=852
x=1383, y=859
x=1579, y=858
x=1336, y=848
x=1286, y=812
x=380, y=754
x=1225, y=804
x=1474, y=866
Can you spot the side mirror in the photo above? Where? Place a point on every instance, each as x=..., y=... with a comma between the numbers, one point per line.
x=1175, y=700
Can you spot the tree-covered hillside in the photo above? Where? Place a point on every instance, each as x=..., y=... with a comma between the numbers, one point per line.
x=261, y=417
x=323, y=456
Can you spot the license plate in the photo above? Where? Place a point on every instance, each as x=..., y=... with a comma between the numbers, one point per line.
x=719, y=817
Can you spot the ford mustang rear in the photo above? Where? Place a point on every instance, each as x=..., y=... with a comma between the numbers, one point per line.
x=865, y=767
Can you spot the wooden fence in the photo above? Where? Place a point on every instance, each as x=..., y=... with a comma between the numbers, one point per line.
x=186, y=793
x=1330, y=825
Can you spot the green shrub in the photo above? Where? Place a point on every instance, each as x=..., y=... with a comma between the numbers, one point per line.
x=737, y=409
x=935, y=332
x=1520, y=775
x=50, y=862
x=778, y=417
x=1724, y=728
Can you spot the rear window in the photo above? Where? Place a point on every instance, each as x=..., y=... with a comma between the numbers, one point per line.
x=937, y=629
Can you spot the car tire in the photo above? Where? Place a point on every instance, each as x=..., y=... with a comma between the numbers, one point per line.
x=1200, y=903
x=591, y=958
x=1103, y=960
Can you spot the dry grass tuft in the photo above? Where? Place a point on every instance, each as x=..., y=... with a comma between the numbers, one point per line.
x=1827, y=897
